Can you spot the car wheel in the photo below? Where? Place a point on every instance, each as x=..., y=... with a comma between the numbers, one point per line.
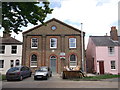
x=50, y=75
x=8, y=80
x=30, y=75
x=21, y=78
x=35, y=78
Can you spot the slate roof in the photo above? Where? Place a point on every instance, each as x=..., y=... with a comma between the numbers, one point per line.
x=104, y=41
x=9, y=41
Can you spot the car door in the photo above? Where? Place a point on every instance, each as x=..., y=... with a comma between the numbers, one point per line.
x=27, y=71
x=23, y=71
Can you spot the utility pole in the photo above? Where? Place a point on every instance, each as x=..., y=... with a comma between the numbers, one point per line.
x=82, y=42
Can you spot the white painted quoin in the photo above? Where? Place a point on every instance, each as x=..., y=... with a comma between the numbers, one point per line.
x=10, y=53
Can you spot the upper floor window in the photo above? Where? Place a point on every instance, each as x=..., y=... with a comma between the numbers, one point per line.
x=111, y=50
x=34, y=60
x=53, y=43
x=34, y=43
x=113, y=65
x=14, y=50
x=73, y=60
x=2, y=49
x=1, y=63
x=72, y=42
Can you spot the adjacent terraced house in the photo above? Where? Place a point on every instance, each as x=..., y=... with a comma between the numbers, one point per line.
x=10, y=53
x=55, y=44
x=103, y=53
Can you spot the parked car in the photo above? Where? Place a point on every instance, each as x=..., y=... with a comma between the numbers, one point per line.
x=18, y=73
x=43, y=72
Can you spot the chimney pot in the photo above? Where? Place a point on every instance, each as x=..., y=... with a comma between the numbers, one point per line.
x=6, y=35
x=113, y=33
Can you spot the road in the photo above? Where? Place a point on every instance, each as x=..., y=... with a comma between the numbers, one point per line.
x=57, y=82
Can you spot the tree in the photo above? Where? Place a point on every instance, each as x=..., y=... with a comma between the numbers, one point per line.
x=18, y=14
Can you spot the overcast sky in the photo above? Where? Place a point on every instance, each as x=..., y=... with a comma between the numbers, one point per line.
x=97, y=16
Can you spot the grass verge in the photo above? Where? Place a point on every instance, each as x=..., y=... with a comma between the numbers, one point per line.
x=96, y=78
x=2, y=77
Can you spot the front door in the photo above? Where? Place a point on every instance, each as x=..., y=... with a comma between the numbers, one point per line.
x=101, y=67
x=53, y=64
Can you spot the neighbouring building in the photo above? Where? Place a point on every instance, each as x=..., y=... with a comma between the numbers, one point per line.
x=103, y=53
x=55, y=44
x=10, y=53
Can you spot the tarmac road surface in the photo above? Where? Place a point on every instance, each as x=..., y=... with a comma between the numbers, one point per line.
x=57, y=82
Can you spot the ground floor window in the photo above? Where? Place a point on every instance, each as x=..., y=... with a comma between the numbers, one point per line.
x=1, y=63
x=11, y=63
x=113, y=65
x=73, y=60
x=17, y=62
x=34, y=60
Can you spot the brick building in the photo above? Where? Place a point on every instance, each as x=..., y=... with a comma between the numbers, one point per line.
x=44, y=45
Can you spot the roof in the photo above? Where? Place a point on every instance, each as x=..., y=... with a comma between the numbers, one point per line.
x=53, y=19
x=104, y=41
x=9, y=41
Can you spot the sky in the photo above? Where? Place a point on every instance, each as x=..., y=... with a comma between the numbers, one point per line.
x=97, y=16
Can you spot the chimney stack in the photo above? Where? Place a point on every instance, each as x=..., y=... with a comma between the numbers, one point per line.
x=6, y=35
x=113, y=33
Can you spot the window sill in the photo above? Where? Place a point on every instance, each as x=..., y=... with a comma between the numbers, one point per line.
x=113, y=69
x=33, y=66
x=34, y=47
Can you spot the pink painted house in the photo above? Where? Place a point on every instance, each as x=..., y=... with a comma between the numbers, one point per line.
x=103, y=53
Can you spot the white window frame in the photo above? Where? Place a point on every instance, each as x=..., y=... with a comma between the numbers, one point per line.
x=33, y=47
x=72, y=43
x=112, y=65
x=1, y=49
x=2, y=63
x=75, y=62
x=14, y=49
x=33, y=61
x=55, y=42
x=109, y=51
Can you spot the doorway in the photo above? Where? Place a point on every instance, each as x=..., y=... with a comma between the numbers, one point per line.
x=101, y=67
x=53, y=64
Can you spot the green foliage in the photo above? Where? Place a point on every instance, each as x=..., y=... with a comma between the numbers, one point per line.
x=2, y=77
x=18, y=14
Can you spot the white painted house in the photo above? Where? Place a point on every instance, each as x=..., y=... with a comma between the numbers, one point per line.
x=10, y=53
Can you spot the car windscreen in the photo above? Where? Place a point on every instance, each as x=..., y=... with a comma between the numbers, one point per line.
x=42, y=69
x=13, y=69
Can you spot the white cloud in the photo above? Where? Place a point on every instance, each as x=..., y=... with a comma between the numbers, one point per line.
x=96, y=19
x=97, y=16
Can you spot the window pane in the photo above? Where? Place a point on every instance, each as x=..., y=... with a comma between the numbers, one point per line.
x=2, y=49
x=111, y=50
x=17, y=62
x=73, y=61
x=53, y=43
x=72, y=57
x=112, y=64
x=12, y=63
x=34, y=43
x=14, y=50
x=1, y=63
x=34, y=60
x=72, y=42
